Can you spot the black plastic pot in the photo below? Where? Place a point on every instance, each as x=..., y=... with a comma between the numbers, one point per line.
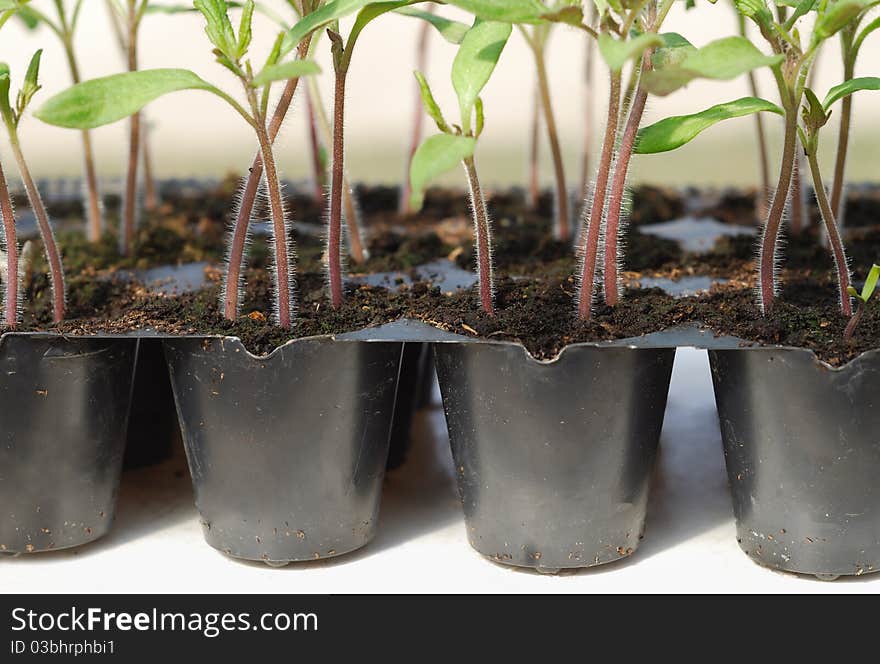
x=152, y=425
x=554, y=458
x=287, y=452
x=802, y=445
x=65, y=405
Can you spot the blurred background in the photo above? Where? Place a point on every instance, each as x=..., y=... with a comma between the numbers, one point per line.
x=194, y=134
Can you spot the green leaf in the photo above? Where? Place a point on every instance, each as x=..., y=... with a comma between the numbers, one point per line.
x=870, y=283
x=474, y=63
x=675, y=49
x=437, y=155
x=245, y=34
x=451, y=31
x=617, y=53
x=217, y=26
x=722, y=59
x=849, y=87
x=286, y=71
x=838, y=15
x=105, y=100
x=504, y=11
x=431, y=105
x=756, y=10
x=674, y=132
x=31, y=84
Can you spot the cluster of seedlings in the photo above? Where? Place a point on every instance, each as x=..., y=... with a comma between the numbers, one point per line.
x=639, y=57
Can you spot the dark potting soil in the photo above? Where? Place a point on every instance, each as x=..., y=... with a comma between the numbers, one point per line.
x=535, y=285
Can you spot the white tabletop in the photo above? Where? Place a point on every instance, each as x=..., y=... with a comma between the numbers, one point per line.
x=156, y=543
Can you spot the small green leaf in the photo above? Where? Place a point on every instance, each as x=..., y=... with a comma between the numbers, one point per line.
x=617, y=53
x=217, y=26
x=853, y=292
x=245, y=34
x=286, y=71
x=722, y=59
x=838, y=15
x=674, y=132
x=105, y=100
x=849, y=87
x=451, y=31
x=431, y=105
x=871, y=283
x=31, y=84
x=474, y=63
x=504, y=11
x=813, y=113
x=675, y=49
x=437, y=155
x=756, y=10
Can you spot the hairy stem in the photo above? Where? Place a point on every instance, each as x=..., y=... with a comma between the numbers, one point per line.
x=563, y=225
x=618, y=190
x=838, y=184
x=94, y=213
x=53, y=257
x=129, y=208
x=334, y=235
x=770, y=239
x=10, y=279
x=798, y=197
x=590, y=241
x=482, y=235
x=319, y=170
x=854, y=322
x=280, y=235
x=418, y=115
x=241, y=225
x=837, y=250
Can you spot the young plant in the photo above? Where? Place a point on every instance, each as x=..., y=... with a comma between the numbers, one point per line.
x=112, y=98
x=342, y=50
x=471, y=70
x=12, y=115
x=791, y=66
x=63, y=26
x=862, y=299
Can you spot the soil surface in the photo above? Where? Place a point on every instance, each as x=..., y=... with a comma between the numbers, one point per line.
x=535, y=284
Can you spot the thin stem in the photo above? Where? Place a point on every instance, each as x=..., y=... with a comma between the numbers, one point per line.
x=563, y=225
x=334, y=236
x=837, y=250
x=129, y=208
x=770, y=239
x=798, y=201
x=589, y=83
x=94, y=212
x=151, y=195
x=10, y=302
x=238, y=243
x=280, y=235
x=854, y=322
x=319, y=168
x=483, y=238
x=838, y=184
x=590, y=242
x=56, y=272
x=352, y=216
x=418, y=114
x=534, y=150
x=763, y=156
x=618, y=190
